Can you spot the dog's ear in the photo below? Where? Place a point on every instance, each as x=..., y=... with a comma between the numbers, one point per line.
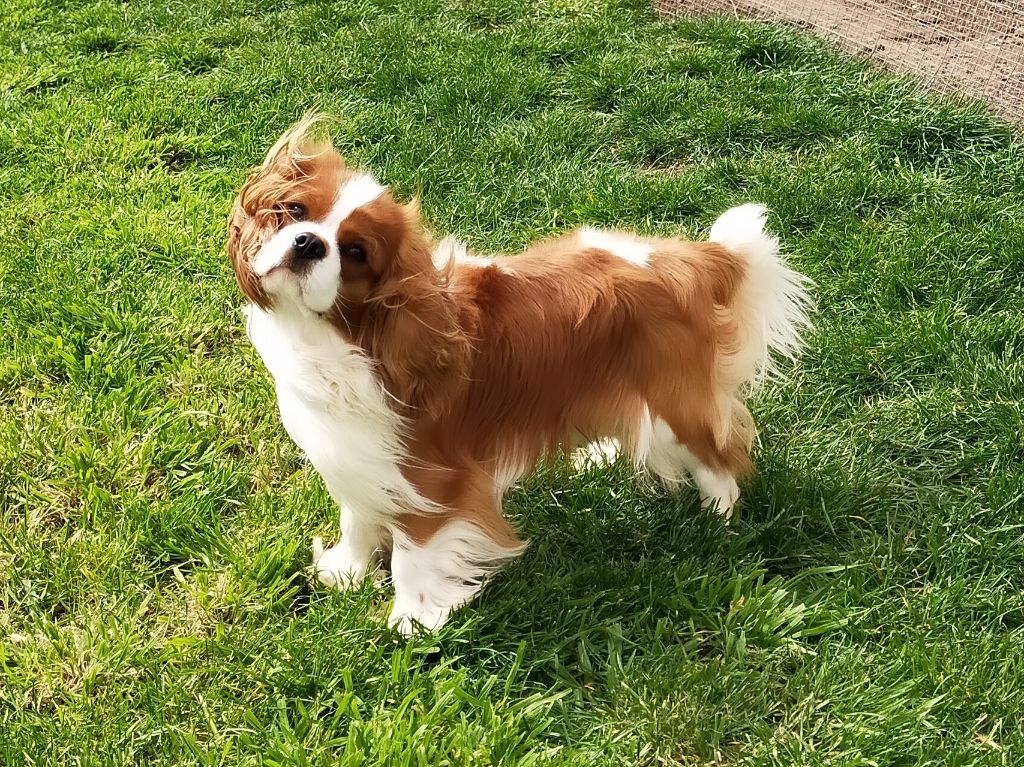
x=301, y=157
x=412, y=327
x=244, y=238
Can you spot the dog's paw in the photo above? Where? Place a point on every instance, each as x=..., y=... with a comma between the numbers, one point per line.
x=336, y=569
x=599, y=453
x=416, y=611
x=423, y=618
x=721, y=496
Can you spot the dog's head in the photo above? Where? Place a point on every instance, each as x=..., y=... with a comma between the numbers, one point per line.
x=310, y=236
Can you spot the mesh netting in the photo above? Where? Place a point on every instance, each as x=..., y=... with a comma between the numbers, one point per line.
x=971, y=47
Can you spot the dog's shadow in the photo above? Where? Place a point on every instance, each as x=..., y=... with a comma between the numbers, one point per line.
x=618, y=568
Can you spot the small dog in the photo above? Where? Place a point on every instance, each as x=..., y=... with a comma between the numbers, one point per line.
x=422, y=381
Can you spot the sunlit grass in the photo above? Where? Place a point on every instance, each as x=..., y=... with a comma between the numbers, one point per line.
x=154, y=602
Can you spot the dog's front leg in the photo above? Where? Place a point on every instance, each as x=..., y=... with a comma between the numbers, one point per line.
x=346, y=564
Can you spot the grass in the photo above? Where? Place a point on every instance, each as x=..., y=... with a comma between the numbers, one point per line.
x=155, y=606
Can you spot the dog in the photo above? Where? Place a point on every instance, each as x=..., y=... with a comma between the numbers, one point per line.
x=422, y=381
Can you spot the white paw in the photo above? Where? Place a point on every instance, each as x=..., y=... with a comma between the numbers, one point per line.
x=426, y=617
x=335, y=567
x=724, y=497
x=599, y=453
x=718, y=492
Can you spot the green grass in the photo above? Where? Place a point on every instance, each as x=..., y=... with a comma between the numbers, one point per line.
x=155, y=606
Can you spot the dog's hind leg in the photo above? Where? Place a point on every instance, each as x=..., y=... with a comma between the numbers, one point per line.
x=673, y=445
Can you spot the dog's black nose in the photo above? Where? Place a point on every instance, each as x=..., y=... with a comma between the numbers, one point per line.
x=308, y=245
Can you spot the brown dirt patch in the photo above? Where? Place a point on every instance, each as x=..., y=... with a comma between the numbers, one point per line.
x=971, y=47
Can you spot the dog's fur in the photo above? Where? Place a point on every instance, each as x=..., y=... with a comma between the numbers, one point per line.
x=422, y=382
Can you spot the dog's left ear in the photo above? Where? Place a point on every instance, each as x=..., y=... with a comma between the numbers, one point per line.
x=413, y=328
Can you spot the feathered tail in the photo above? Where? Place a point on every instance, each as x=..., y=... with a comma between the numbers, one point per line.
x=773, y=303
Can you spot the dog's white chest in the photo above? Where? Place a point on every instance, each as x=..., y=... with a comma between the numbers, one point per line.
x=336, y=411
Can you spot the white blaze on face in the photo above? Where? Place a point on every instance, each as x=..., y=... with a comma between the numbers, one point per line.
x=317, y=288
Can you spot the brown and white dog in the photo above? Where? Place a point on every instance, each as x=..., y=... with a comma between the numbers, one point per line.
x=422, y=382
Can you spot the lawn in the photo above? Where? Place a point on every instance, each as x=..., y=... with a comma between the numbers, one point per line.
x=155, y=602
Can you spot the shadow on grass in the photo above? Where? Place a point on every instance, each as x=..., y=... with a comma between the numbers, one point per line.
x=618, y=570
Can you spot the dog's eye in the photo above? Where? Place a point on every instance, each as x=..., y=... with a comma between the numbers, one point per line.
x=355, y=252
x=296, y=211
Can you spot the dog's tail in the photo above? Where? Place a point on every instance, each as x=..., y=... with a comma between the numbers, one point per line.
x=772, y=304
